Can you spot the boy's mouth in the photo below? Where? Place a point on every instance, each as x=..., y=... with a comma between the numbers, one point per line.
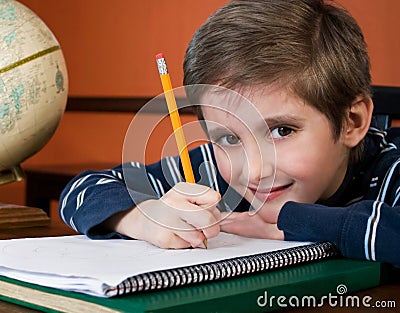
x=269, y=194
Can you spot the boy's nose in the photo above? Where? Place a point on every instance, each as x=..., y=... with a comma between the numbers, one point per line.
x=260, y=163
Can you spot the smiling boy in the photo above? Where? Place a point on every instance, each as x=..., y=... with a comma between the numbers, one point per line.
x=303, y=141
x=299, y=148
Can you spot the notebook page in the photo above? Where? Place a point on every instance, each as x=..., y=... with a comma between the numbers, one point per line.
x=74, y=259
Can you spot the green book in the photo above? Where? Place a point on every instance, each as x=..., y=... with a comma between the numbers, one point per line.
x=309, y=285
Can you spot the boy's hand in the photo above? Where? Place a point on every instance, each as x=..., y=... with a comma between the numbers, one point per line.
x=247, y=225
x=182, y=218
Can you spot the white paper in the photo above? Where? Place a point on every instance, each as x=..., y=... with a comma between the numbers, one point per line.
x=80, y=264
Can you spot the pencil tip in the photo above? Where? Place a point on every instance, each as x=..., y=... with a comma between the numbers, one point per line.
x=160, y=56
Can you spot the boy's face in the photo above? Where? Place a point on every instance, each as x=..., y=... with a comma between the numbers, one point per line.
x=284, y=152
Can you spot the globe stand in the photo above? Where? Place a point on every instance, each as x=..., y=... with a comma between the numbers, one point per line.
x=16, y=216
x=11, y=175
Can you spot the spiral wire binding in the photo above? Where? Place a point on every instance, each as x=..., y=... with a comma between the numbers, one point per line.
x=223, y=269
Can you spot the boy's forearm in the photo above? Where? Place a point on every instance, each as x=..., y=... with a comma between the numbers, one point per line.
x=86, y=205
x=310, y=222
x=350, y=228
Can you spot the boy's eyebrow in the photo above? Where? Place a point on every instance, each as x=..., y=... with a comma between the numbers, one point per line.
x=218, y=131
x=283, y=119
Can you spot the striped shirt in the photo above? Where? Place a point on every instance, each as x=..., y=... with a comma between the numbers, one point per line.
x=362, y=218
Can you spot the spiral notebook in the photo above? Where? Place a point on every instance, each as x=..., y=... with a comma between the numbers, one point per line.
x=108, y=268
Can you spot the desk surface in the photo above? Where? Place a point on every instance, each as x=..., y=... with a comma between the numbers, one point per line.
x=386, y=295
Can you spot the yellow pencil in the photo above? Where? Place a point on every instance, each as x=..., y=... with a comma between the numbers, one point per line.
x=176, y=121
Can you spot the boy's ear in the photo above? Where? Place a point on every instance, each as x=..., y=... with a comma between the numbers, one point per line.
x=358, y=120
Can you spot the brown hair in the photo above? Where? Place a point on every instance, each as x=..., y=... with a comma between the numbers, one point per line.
x=313, y=48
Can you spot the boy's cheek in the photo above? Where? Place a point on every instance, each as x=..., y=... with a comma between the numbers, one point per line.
x=224, y=164
x=225, y=170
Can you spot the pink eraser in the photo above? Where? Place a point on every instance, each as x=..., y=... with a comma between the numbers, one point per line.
x=160, y=56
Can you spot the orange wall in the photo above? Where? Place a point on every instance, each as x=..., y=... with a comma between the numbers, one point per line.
x=110, y=47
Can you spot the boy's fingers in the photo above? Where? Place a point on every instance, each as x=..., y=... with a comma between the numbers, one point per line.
x=207, y=223
x=173, y=242
x=211, y=231
x=173, y=239
x=189, y=233
x=200, y=218
x=194, y=238
x=198, y=194
x=182, y=236
x=198, y=226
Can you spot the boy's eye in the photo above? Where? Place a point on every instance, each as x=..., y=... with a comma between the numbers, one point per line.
x=281, y=132
x=228, y=140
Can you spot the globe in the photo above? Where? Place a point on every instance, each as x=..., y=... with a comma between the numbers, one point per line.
x=33, y=86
